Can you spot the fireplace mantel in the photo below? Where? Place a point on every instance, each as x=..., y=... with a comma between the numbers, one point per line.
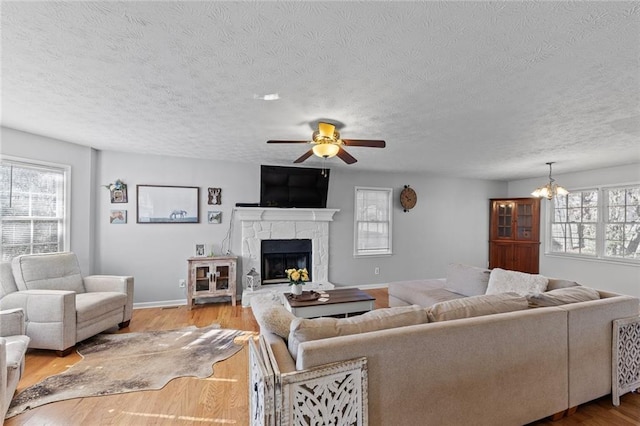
x=258, y=214
x=264, y=223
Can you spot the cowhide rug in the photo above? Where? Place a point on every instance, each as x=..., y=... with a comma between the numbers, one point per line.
x=128, y=362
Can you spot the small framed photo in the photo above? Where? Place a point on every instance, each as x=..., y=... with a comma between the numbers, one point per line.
x=117, y=217
x=119, y=195
x=215, y=196
x=214, y=217
x=201, y=250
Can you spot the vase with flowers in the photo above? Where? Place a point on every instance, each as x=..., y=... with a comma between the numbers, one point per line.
x=297, y=278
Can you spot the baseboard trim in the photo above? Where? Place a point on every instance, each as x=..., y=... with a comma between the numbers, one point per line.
x=363, y=286
x=159, y=304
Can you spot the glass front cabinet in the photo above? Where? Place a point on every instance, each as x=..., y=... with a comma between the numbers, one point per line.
x=514, y=234
x=211, y=277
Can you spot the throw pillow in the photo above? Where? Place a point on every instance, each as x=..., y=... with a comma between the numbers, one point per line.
x=271, y=315
x=467, y=280
x=476, y=306
x=563, y=296
x=304, y=330
x=503, y=281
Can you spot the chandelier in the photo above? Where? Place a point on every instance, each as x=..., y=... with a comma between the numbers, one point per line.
x=551, y=189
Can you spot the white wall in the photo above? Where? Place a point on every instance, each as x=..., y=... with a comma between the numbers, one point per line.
x=81, y=159
x=450, y=223
x=156, y=254
x=612, y=276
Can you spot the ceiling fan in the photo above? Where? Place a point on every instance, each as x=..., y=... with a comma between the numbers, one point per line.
x=327, y=143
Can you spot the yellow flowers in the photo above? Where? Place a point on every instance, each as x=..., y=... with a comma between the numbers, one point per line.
x=297, y=276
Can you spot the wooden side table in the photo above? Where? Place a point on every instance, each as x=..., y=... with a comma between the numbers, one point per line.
x=211, y=277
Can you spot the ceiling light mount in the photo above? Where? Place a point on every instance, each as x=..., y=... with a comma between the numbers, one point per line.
x=551, y=189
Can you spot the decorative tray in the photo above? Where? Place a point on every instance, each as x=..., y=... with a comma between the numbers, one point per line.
x=306, y=296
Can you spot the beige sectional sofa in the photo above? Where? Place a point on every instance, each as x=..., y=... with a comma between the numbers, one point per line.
x=499, y=362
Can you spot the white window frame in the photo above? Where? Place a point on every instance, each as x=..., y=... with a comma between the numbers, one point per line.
x=369, y=253
x=601, y=223
x=64, y=237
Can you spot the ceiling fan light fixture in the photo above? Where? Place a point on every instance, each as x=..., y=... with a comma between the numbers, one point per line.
x=326, y=130
x=325, y=150
x=551, y=189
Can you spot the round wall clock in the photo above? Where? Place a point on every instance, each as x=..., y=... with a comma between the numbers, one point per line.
x=408, y=198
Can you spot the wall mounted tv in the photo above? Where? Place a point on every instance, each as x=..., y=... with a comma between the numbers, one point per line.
x=293, y=187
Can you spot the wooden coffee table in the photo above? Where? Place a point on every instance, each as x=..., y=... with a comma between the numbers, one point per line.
x=342, y=302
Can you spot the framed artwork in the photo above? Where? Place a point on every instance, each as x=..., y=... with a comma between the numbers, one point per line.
x=118, y=191
x=201, y=250
x=117, y=217
x=215, y=196
x=214, y=217
x=168, y=204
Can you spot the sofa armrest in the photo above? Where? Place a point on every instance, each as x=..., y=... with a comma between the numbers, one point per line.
x=50, y=316
x=42, y=305
x=97, y=283
x=123, y=284
x=12, y=322
x=283, y=359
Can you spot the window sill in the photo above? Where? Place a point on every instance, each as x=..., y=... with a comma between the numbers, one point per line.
x=611, y=261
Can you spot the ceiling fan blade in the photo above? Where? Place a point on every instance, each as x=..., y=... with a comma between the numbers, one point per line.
x=364, y=142
x=275, y=141
x=304, y=156
x=346, y=157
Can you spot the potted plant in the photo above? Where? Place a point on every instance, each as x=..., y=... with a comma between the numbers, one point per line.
x=297, y=278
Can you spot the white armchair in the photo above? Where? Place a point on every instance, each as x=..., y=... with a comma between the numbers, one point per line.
x=13, y=346
x=61, y=307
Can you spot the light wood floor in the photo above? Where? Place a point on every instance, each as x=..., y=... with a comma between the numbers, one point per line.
x=221, y=399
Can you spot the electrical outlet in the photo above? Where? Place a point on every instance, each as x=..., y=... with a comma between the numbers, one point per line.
x=182, y=283
x=376, y=271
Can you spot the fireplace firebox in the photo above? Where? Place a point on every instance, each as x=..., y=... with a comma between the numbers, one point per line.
x=278, y=255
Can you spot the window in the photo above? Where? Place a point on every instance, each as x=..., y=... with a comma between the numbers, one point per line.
x=599, y=223
x=372, y=221
x=33, y=206
x=622, y=226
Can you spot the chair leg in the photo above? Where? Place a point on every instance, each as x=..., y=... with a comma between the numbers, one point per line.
x=65, y=352
x=124, y=324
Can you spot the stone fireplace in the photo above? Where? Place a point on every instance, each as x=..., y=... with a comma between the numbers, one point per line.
x=260, y=223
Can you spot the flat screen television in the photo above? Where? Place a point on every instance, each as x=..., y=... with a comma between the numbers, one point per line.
x=293, y=187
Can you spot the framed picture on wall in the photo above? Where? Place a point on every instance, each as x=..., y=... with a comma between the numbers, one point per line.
x=117, y=217
x=168, y=204
x=214, y=217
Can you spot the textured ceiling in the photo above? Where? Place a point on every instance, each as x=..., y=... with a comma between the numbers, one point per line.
x=467, y=89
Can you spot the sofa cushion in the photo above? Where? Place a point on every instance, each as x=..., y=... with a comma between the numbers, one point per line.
x=556, y=283
x=304, y=330
x=467, y=280
x=90, y=306
x=51, y=271
x=563, y=296
x=503, y=281
x=271, y=315
x=422, y=292
x=476, y=306
x=16, y=347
